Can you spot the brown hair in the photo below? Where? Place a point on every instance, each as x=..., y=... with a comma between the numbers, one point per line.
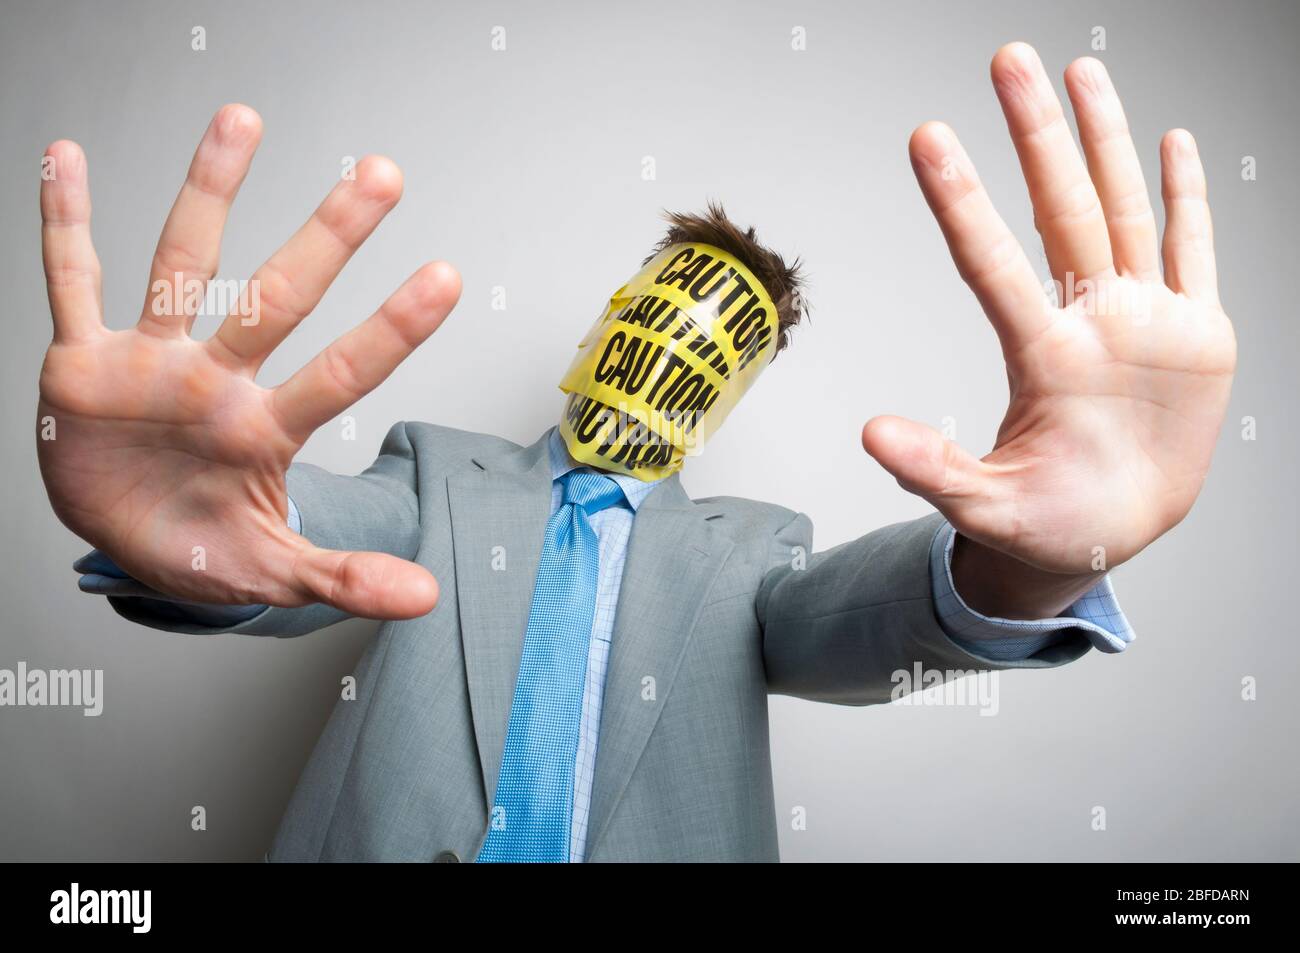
x=784, y=283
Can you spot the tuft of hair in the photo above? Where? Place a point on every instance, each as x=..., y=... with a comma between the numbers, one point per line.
x=783, y=282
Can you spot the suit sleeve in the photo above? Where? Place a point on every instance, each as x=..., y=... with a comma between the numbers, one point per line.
x=839, y=626
x=379, y=510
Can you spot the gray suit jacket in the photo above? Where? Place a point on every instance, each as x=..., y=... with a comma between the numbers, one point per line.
x=722, y=603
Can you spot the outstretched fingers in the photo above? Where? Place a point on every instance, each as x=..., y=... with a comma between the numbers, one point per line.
x=293, y=280
x=360, y=360
x=189, y=248
x=1115, y=169
x=72, y=272
x=986, y=253
x=365, y=584
x=1067, y=211
x=966, y=490
x=921, y=460
x=1188, y=246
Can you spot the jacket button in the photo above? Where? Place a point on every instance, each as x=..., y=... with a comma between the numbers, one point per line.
x=447, y=857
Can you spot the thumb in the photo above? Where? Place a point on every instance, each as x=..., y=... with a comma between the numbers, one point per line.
x=364, y=584
x=924, y=463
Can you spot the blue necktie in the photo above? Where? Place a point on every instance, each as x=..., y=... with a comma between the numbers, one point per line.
x=533, y=808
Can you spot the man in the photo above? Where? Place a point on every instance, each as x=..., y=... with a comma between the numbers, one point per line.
x=592, y=682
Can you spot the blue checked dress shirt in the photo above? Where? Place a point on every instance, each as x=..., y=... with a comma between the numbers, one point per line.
x=1097, y=614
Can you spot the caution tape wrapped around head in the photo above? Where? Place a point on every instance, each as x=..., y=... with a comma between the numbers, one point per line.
x=672, y=353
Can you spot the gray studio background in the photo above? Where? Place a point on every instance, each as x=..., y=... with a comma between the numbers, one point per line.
x=524, y=169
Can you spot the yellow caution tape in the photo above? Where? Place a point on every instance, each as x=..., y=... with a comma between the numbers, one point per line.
x=669, y=357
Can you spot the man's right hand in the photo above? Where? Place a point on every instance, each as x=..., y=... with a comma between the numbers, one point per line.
x=153, y=444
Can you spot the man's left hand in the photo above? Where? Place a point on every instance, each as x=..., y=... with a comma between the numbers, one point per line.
x=1117, y=391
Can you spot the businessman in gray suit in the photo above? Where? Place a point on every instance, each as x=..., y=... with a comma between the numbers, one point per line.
x=576, y=656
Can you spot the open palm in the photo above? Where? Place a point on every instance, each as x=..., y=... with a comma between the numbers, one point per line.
x=165, y=453
x=1119, y=389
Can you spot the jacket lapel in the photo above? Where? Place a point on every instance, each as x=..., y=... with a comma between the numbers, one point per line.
x=673, y=558
x=500, y=511
x=498, y=519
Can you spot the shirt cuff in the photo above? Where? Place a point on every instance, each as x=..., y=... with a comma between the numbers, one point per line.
x=1096, y=615
x=103, y=577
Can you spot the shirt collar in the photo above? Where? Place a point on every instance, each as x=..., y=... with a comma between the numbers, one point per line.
x=561, y=463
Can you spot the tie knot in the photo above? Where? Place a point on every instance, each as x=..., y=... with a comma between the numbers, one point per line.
x=591, y=491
